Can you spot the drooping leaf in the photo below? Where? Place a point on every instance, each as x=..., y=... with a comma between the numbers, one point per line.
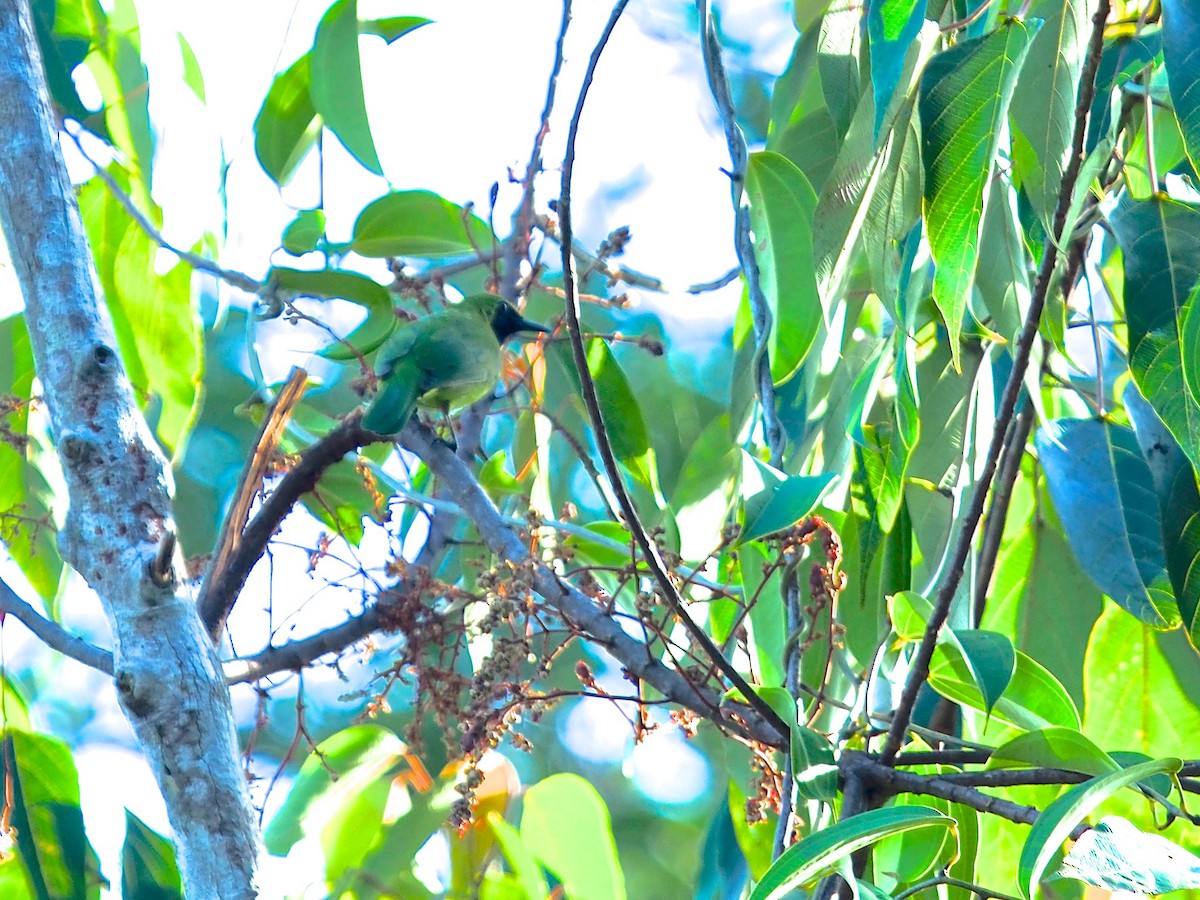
x=781, y=213
x=421, y=224
x=1178, y=505
x=1160, y=244
x=766, y=621
x=287, y=125
x=893, y=26
x=1181, y=56
x=1105, y=497
x=336, y=88
x=965, y=97
x=192, y=76
x=990, y=658
x=47, y=819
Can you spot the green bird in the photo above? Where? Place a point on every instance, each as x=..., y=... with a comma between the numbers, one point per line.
x=443, y=361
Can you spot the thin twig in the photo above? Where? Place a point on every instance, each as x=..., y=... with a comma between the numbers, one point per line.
x=237, y=279
x=52, y=634
x=592, y=401
x=718, y=83
x=953, y=882
x=919, y=673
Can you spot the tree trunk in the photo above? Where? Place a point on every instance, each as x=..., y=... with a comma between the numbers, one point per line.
x=119, y=531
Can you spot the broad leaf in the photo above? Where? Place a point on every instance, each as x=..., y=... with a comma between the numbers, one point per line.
x=421, y=224
x=1104, y=495
x=1181, y=56
x=562, y=814
x=781, y=212
x=148, y=867
x=287, y=125
x=966, y=93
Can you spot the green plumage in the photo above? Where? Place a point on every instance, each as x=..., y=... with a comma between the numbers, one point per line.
x=442, y=361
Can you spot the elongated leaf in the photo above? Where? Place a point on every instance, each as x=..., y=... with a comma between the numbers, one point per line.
x=1060, y=817
x=1034, y=698
x=561, y=814
x=781, y=212
x=1052, y=748
x=46, y=817
x=1045, y=117
x=623, y=417
x=336, y=90
x=148, y=867
x=966, y=94
x=286, y=126
x=1105, y=497
x=819, y=852
x=1160, y=244
x=419, y=223
x=766, y=621
x=27, y=527
x=813, y=767
x=1178, y=505
x=893, y=26
x=1181, y=55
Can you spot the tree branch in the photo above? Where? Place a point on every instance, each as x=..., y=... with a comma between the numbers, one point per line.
x=52, y=634
x=592, y=401
x=919, y=673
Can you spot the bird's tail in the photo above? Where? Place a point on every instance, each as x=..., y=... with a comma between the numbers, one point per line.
x=393, y=405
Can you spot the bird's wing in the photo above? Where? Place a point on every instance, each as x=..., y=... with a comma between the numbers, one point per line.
x=459, y=350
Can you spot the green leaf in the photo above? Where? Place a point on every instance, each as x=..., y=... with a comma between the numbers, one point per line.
x=27, y=526
x=566, y=824
x=814, y=770
x=46, y=817
x=781, y=213
x=1044, y=119
x=336, y=88
x=148, y=867
x=1160, y=244
x=1178, y=505
x=360, y=760
x=966, y=94
x=817, y=853
x=1033, y=700
x=1052, y=748
x=774, y=501
x=1181, y=56
x=1136, y=700
x=304, y=232
x=1059, y=818
x=339, y=283
x=909, y=612
x=421, y=224
x=519, y=857
x=391, y=27
x=1104, y=494
x=990, y=658
x=766, y=622
x=623, y=419
x=116, y=64
x=893, y=26
x=192, y=76
x=287, y=125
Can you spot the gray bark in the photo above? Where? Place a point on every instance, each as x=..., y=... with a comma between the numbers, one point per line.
x=167, y=675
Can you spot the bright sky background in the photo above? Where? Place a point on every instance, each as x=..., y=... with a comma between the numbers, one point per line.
x=452, y=106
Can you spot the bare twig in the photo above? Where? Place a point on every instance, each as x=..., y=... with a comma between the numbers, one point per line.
x=919, y=672
x=52, y=634
x=718, y=83
x=588, y=390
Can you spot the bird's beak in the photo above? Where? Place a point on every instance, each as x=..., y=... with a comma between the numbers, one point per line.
x=528, y=325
